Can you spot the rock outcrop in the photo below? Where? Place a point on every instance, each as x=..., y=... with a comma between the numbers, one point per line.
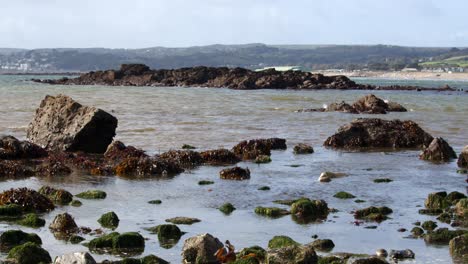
x=234, y=78
x=463, y=158
x=201, y=249
x=438, y=150
x=65, y=125
x=364, y=133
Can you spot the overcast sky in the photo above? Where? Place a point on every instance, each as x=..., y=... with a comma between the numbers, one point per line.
x=181, y=23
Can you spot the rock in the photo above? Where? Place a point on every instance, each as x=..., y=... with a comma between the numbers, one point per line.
x=365, y=133
x=59, y=196
x=250, y=149
x=76, y=239
x=327, y=176
x=303, y=148
x=341, y=107
x=167, y=231
x=344, y=195
x=109, y=220
x=372, y=213
x=395, y=107
x=92, y=194
x=13, y=238
x=181, y=220
x=75, y=258
x=463, y=158
x=130, y=241
x=401, y=254
x=264, y=188
x=155, y=202
x=417, y=231
x=370, y=104
x=65, y=125
x=262, y=159
x=184, y=158
x=281, y=241
x=292, y=255
x=309, y=209
x=205, y=182
x=12, y=148
x=219, y=157
x=31, y=220
x=10, y=211
x=439, y=150
x=227, y=208
x=459, y=246
x=187, y=146
x=445, y=218
x=252, y=255
x=323, y=245
x=117, y=151
x=381, y=253
x=442, y=236
x=429, y=225
x=63, y=223
x=201, y=249
x=76, y=203
x=29, y=200
x=383, y=180
x=366, y=260
x=271, y=211
x=29, y=253
x=461, y=208
x=15, y=169
x=147, y=167
x=235, y=173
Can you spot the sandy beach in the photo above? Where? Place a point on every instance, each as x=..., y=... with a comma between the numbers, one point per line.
x=403, y=75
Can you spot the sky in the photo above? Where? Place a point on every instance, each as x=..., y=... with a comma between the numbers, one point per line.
x=182, y=23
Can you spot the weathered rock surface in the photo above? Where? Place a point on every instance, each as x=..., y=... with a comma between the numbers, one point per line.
x=29, y=200
x=463, y=158
x=219, y=157
x=184, y=158
x=75, y=258
x=364, y=133
x=234, y=78
x=63, y=223
x=12, y=148
x=236, y=173
x=459, y=246
x=63, y=124
x=147, y=167
x=117, y=151
x=292, y=255
x=438, y=150
x=201, y=249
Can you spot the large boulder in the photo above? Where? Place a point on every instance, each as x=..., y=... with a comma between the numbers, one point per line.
x=75, y=258
x=63, y=124
x=12, y=148
x=438, y=150
x=201, y=249
x=463, y=158
x=365, y=133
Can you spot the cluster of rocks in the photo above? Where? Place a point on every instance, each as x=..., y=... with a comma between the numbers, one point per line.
x=369, y=104
x=234, y=78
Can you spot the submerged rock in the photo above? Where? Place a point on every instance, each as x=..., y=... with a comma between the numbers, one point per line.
x=29, y=200
x=65, y=125
x=181, y=220
x=429, y=225
x=219, y=157
x=75, y=258
x=236, y=173
x=12, y=148
x=372, y=213
x=227, y=208
x=344, y=195
x=15, y=169
x=365, y=133
x=438, y=150
x=92, y=194
x=59, y=196
x=463, y=158
x=10, y=211
x=262, y=159
x=201, y=249
x=29, y=253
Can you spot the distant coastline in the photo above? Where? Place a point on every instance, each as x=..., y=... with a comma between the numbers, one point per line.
x=398, y=75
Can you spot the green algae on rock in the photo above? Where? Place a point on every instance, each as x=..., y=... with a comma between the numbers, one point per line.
x=130, y=241
x=309, y=209
x=373, y=213
x=155, y=202
x=344, y=195
x=442, y=236
x=92, y=194
x=271, y=211
x=261, y=159
x=109, y=220
x=29, y=253
x=264, y=188
x=383, y=180
x=281, y=241
x=227, y=208
x=182, y=220
x=10, y=211
x=76, y=239
x=323, y=245
x=59, y=196
x=31, y=220
x=13, y=238
x=204, y=182
x=429, y=225
x=459, y=246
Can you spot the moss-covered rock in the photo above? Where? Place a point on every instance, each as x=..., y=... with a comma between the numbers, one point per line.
x=459, y=246
x=437, y=201
x=166, y=231
x=344, y=195
x=187, y=146
x=92, y=194
x=281, y=241
x=205, y=182
x=417, y=231
x=323, y=245
x=227, y=208
x=285, y=202
x=152, y=259
x=59, y=196
x=76, y=239
x=10, y=211
x=76, y=203
x=359, y=201
x=461, y=208
x=429, y=225
x=155, y=202
x=430, y=211
x=261, y=159
x=29, y=253
x=182, y=220
x=271, y=211
x=373, y=213
x=442, y=236
x=236, y=173
x=264, y=188
x=109, y=220
x=132, y=241
x=291, y=254
x=454, y=197
x=445, y=218
x=383, y=180
x=256, y=252
x=13, y=238
x=309, y=209
x=31, y=220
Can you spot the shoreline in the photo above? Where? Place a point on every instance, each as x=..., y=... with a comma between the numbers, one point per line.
x=416, y=76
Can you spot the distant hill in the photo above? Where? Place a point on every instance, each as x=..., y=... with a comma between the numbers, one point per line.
x=253, y=56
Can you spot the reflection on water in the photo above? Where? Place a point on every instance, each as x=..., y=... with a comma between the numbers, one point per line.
x=158, y=119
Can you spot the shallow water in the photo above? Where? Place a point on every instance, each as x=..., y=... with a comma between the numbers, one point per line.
x=158, y=119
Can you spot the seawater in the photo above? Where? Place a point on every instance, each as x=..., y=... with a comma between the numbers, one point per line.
x=157, y=119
